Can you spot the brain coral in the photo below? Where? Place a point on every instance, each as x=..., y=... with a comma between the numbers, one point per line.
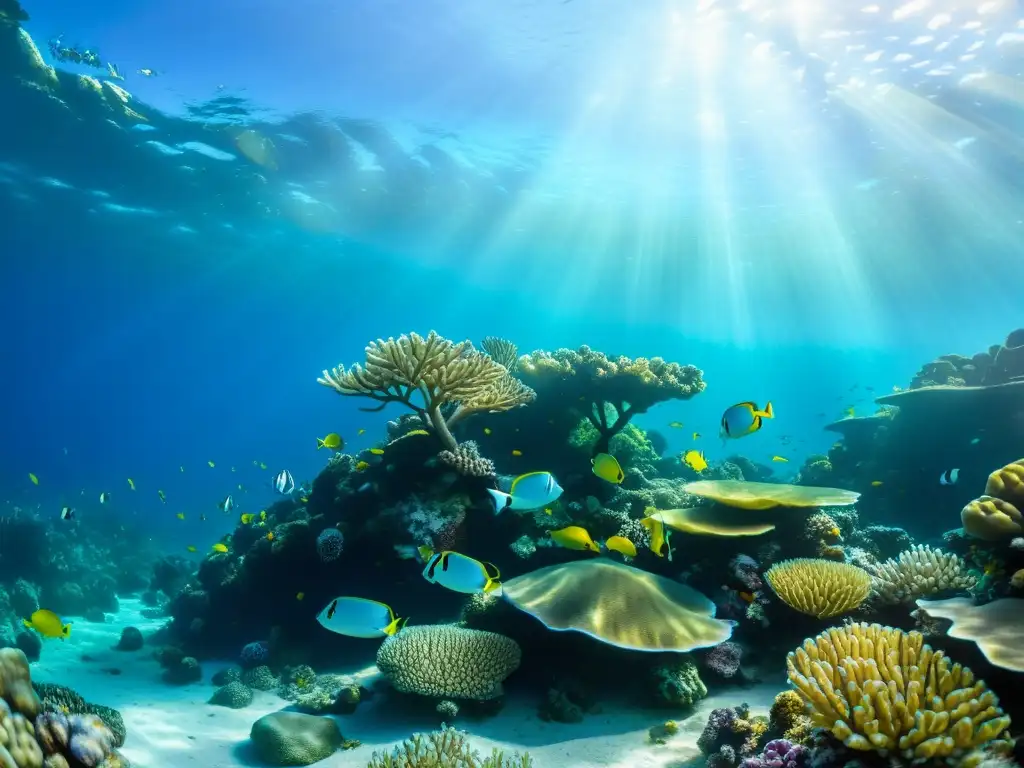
x=878, y=689
x=821, y=588
x=446, y=661
x=998, y=513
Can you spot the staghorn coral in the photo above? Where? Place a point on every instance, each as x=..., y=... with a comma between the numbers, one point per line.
x=439, y=371
x=882, y=689
x=820, y=588
x=919, y=572
x=448, y=662
x=446, y=748
x=502, y=351
x=619, y=386
x=467, y=461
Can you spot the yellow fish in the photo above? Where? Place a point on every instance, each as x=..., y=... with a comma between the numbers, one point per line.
x=850, y=412
x=547, y=510
x=180, y=515
x=270, y=536
x=131, y=483
x=245, y=518
x=876, y=483
x=660, y=534
x=362, y=466
x=377, y=451
x=695, y=460
x=620, y=544
x=211, y=464
x=218, y=547
x=263, y=465
x=33, y=478
x=696, y=435
x=263, y=514
x=361, y=432
x=190, y=548
x=574, y=537
x=162, y=495
x=517, y=452
x=332, y=441
x=782, y=459
x=47, y=624
x=676, y=424
x=412, y=432
x=607, y=468
x=304, y=499
x=744, y=419
x=487, y=430
x=300, y=595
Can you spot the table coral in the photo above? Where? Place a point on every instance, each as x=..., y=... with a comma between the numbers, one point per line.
x=882, y=689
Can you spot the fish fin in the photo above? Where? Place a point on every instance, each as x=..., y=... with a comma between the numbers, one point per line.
x=492, y=587
x=320, y=444
x=502, y=500
x=486, y=565
x=26, y=623
x=66, y=630
x=768, y=412
x=392, y=628
x=512, y=488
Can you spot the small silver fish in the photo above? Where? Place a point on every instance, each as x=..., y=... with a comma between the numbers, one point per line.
x=228, y=504
x=949, y=477
x=284, y=482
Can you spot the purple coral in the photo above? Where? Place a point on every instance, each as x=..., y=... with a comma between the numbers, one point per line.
x=329, y=544
x=780, y=753
x=724, y=659
x=86, y=738
x=747, y=572
x=253, y=654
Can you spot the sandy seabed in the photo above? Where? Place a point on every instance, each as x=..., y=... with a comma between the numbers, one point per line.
x=174, y=726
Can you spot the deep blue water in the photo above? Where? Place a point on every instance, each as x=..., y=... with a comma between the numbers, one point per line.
x=789, y=266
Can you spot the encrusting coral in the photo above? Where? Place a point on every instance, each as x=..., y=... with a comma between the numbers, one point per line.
x=448, y=662
x=881, y=689
x=610, y=390
x=820, y=588
x=440, y=371
x=919, y=572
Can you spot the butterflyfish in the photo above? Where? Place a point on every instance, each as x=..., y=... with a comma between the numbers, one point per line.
x=517, y=452
x=695, y=460
x=607, y=468
x=131, y=483
x=660, y=534
x=332, y=441
x=574, y=537
x=487, y=430
x=67, y=513
x=359, y=617
x=191, y=548
x=284, y=482
x=949, y=477
x=211, y=464
x=47, y=624
x=461, y=573
x=162, y=495
x=219, y=547
x=744, y=419
x=696, y=435
x=361, y=431
x=104, y=497
x=362, y=466
x=534, y=490
x=245, y=518
x=377, y=451
x=875, y=483
x=676, y=424
x=620, y=544
x=780, y=459
x=33, y=478
x=180, y=515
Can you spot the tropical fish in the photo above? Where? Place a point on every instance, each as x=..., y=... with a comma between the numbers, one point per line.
x=534, y=490
x=219, y=547
x=332, y=441
x=191, y=548
x=270, y=536
x=461, y=573
x=744, y=419
x=104, y=497
x=131, y=483
x=162, y=495
x=211, y=464
x=359, y=617
x=33, y=478
x=377, y=451
x=975, y=441
x=487, y=430
x=676, y=424
x=660, y=533
x=263, y=465
x=949, y=477
x=409, y=552
x=362, y=466
x=850, y=412
x=574, y=537
x=300, y=595
x=876, y=483
x=67, y=513
x=47, y=624
x=548, y=510
x=517, y=452
x=227, y=505
x=245, y=518
x=284, y=482
x=181, y=468
x=361, y=431
x=620, y=544
x=695, y=460
x=781, y=459
x=607, y=468
x=180, y=515
x=263, y=515
x=696, y=435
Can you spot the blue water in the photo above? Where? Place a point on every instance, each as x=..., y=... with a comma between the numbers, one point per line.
x=542, y=171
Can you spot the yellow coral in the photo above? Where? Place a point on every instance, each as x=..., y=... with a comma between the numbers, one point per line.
x=997, y=514
x=820, y=588
x=821, y=525
x=1007, y=483
x=878, y=689
x=788, y=716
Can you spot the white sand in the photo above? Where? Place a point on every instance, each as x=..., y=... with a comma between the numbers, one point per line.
x=173, y=726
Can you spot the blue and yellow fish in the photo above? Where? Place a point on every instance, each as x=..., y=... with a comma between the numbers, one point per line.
x=744, y=419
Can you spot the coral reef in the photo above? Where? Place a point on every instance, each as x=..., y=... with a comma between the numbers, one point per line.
x=446, y=748
x=819, y=588
x=997, y=514
x=920, y=571
x=679, y=684
x=233, y=696
x=293, y=738
x=130, y=640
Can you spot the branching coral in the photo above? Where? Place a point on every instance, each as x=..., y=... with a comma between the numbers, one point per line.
x=446, y=748
x=881, y=689
x=439, y=371
x=820, y=588
x=502, y=351
x=919, y=572
x=621, y=386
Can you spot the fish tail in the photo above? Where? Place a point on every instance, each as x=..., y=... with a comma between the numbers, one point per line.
x=26, y=623
x=768, y=412
x=320, y=443
x=501, y=500
x=65, y=631
x=493, y=587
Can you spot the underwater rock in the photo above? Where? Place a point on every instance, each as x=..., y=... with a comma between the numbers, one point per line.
x=24, y=598
x=131, y=640
x=227, y=675
x=292, y=738
x=233, y=696
x=260, y=678
x=329, y=545
x=30, y=643
x=16, y=683
x=558, y=707
x=186, y=671
x=253, y=654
